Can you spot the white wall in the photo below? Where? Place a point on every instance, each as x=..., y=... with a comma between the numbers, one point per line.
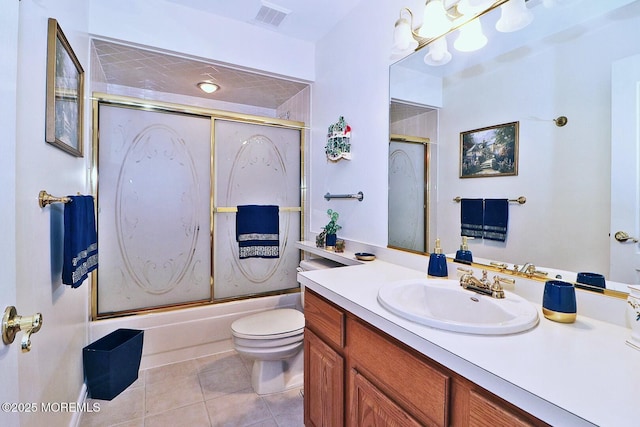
x=564, y=172
x=352, y=80
x=173, y=27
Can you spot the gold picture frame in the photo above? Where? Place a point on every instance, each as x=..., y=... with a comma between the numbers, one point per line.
x=490, y=151
x=65, y=93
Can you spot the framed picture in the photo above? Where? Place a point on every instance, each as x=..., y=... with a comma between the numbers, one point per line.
x=65, y=83
x=490, y=151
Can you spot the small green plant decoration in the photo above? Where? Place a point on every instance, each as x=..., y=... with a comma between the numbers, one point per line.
x=332, y=227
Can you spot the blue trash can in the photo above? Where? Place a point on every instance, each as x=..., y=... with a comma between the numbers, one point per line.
x=111, y=364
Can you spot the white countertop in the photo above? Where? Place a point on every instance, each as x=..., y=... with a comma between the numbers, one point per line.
x=565, y=374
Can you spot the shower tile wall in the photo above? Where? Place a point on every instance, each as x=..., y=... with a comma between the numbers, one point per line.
x=423, y=125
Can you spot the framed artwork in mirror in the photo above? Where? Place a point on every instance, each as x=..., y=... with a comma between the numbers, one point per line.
x=65, y=83
x=489, y=151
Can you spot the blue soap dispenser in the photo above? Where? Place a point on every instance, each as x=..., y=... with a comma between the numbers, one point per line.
x=464, y=254
x=437, y=262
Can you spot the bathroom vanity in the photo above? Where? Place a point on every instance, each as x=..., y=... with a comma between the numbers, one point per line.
x=366, y=366
x=381, y=381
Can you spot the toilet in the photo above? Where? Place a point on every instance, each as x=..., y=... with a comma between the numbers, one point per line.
x=273, y=339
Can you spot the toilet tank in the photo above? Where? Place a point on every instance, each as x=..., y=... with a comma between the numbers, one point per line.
x=315, y=264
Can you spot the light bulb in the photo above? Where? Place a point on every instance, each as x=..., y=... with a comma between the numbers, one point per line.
x=435, y=21
x=471, y=37
x=402, y=38
x=438, y=53
x=473, y=7
x=514, y=16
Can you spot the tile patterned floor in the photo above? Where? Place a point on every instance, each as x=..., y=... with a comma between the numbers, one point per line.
x=209, y=391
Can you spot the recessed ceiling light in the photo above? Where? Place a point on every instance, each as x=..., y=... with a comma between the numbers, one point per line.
x=208, y=87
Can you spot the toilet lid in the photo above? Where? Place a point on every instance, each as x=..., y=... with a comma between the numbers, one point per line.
x=273, y=323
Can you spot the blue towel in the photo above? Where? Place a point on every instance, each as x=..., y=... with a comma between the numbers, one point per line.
x=496, y=219
x=80, y=240
x=471, y=217
x=257, y=231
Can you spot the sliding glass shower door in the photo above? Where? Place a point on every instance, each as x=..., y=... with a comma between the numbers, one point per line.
x=166, y=234
x=255, y=165
x=153, y=209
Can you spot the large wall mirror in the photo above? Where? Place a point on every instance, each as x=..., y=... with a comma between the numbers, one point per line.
x=578, y=59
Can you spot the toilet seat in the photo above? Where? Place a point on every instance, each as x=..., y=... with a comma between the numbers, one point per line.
x=272, y=324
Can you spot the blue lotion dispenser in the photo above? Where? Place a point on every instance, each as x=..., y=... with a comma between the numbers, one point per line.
x=437, y=262
x=464, y=254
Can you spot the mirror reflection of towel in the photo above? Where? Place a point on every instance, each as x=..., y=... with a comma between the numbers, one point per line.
x=80, y=255
x=472, y=217
x=496, y=219
x=257, y=231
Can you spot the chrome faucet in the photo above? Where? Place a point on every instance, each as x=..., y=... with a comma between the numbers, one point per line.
x=483, y=285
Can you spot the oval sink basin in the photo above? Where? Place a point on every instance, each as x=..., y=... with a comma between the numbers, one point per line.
x=444, y=304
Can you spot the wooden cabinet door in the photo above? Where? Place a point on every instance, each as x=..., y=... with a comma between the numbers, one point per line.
x=371, y=408
x=421, y=388
x=323, y=383
x=486, y=413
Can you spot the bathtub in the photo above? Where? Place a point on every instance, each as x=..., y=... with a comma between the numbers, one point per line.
x=183, y=334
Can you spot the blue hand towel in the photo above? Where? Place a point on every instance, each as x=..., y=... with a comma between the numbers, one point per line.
x=471, y=217
x=496, y=219
x=257, y=231
x=80, y=255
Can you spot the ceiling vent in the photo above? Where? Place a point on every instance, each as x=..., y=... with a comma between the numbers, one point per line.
x=271, y=14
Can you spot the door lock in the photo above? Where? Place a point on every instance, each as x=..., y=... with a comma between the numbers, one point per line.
x=12, y=323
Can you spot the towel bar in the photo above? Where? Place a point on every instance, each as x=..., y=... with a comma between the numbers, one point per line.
x=234, y=209
x=359, y=196
x=521, y=200
x=45, y=199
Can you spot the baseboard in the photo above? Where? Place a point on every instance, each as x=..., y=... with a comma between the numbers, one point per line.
x=82, y=397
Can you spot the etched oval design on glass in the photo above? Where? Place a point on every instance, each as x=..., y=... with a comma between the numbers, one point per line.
x=404, y=194
x=258, y=174
x=158, y=250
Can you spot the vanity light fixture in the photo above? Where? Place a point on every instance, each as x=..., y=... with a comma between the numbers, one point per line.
x=443, y=17
x=514, y=16
x=208, y=87
x=404, y=40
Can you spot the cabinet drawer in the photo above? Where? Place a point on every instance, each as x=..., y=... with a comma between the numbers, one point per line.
x=324, y=318
x=418, y=387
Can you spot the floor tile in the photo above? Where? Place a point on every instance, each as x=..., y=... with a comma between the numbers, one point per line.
x=290, y=420
x=208, y=391
x=191, y=415
x=220, y=362
x=238, y=409
x=171, y=394
x=218, y=382
x=171, y=372
x=285, y=403
x=126, y=406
